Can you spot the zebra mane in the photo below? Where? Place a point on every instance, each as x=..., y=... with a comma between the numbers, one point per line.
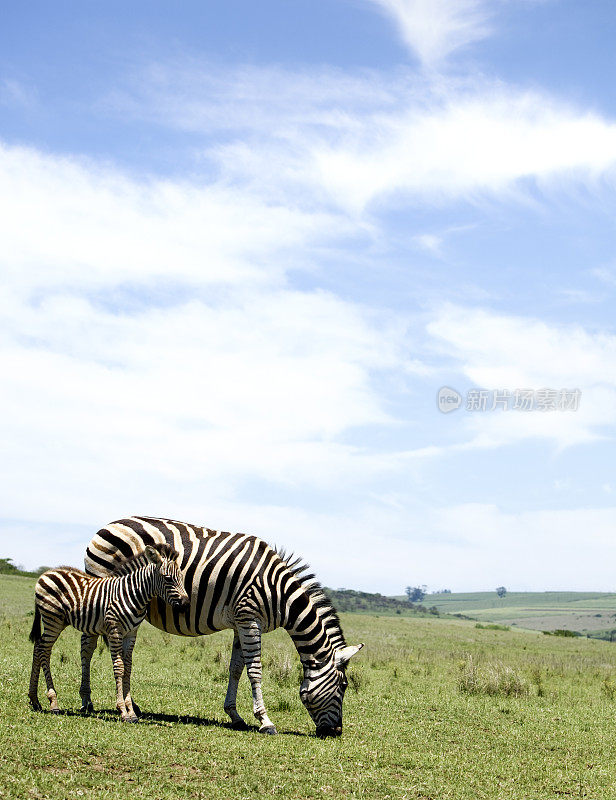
x=74, y=570
x=167, y=551
x=140, y=560
x=301, y=570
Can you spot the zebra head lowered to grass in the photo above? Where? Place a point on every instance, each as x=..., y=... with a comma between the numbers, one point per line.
x=238, y=581
x=112, y=606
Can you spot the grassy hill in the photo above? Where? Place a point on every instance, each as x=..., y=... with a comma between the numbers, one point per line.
x=436, y=708
x=587, y=612
x=351, y=600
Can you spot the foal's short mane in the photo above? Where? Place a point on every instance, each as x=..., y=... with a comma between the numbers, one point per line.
x=140, y=559
x=166, y=551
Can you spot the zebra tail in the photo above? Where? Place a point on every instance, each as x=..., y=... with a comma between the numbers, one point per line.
x=35, y=633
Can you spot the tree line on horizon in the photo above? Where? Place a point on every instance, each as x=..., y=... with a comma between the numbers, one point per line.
x=8, y=568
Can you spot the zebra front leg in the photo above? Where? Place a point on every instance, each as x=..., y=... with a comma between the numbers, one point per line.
x=115, y=646
x=250, y=640
x=88, y=646
x=236, y=667
x=128, y=643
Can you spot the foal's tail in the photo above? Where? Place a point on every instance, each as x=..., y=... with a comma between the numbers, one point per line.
x=35, y=633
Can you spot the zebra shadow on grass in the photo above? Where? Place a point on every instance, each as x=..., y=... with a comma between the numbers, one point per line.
x=153, y=718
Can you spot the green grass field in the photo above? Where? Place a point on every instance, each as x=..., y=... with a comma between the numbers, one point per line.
x=585, y=612
x=436, y=709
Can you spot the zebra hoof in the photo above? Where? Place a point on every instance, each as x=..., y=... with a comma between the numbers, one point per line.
x=239, y=725
x=133, y=718
x=86, y=708
x=269, y=729
x=55, y=710
x=36, y=706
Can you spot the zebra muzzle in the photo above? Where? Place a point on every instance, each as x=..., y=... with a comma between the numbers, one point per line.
x=326, y=731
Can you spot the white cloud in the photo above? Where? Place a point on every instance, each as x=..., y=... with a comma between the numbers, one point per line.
x=471, y=547
x=464, y=144
x=497, y=351
x=201, y=97
x=348, y=141
x=434, y=29
x=195, y=398
x=94, y=226
x=533, y=550
x=152, y=348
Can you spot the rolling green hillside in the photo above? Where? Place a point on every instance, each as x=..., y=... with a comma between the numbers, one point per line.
x=354, y=601
x=586, y=612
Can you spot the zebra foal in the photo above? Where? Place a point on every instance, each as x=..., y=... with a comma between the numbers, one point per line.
x=112, y=606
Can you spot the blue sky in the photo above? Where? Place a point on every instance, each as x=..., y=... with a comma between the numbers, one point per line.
x=244, y=245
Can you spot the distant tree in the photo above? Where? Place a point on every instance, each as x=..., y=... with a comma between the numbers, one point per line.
x=7, y=568
x=501, y=591
x=443, y=591
x=415, y=594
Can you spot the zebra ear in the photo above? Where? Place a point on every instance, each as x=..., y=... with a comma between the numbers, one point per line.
x=152, y=555
x=344, y=654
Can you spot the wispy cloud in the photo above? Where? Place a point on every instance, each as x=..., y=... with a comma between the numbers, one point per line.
x=351, y=143
x=16, y=93
x=463, y=144
x=430, y=242
x=606, y=275
x=435, y=29
x=96, y=226
x=493, y=546
x=501, y=351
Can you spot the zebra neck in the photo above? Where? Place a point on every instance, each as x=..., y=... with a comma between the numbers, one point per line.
x=137, y=588
x=313, y=627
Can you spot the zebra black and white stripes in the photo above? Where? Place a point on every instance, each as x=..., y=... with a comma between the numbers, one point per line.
x=238, y=581
x=111, y=606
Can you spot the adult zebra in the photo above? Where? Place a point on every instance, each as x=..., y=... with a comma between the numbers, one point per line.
x=238, y=581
